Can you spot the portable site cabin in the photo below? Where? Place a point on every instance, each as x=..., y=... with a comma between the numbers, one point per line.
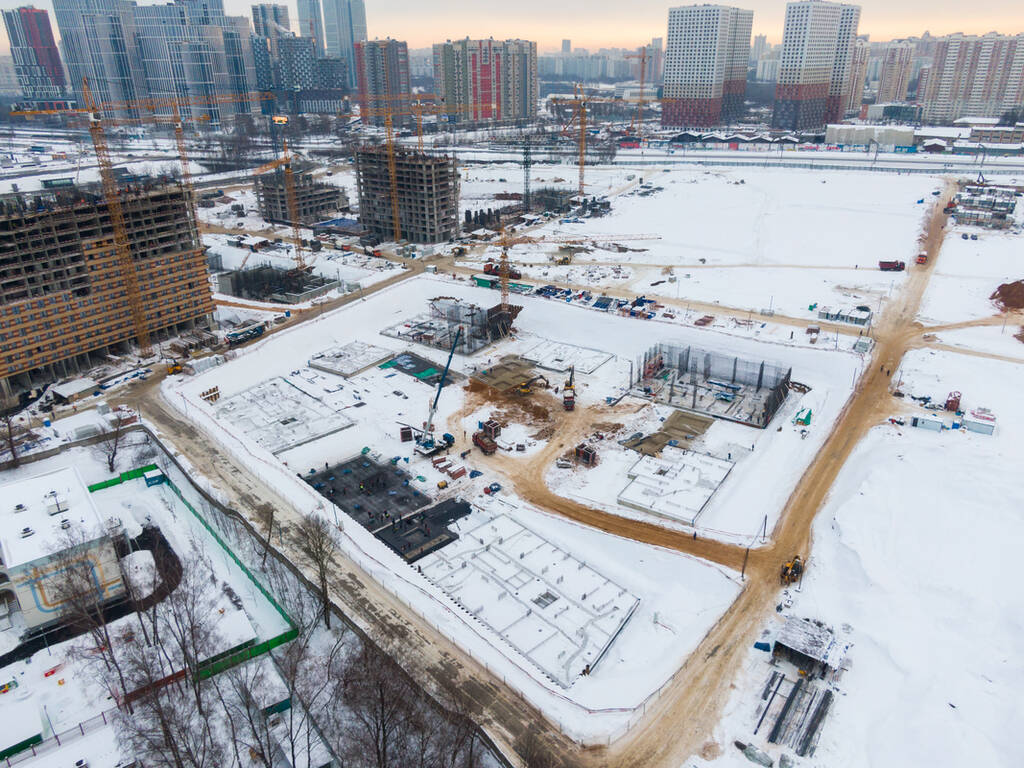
x=810, y=645
x=924, y=422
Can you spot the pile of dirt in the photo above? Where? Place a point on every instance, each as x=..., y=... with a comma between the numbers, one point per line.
x=1010, y=295
x=1019, y=335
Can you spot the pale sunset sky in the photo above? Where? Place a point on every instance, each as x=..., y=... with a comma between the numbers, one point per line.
x=613, y=23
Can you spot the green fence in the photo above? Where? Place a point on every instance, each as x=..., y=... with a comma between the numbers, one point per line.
x=131, y=474
x=21, y=746
x=238, y=655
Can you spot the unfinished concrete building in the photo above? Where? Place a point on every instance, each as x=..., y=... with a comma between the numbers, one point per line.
x=315, y=200
x=428, y=195
x=63, y=301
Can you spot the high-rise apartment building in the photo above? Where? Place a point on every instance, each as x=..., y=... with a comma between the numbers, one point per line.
x=973, y=76
x=311, y=23
x=487, y=80
x=296, y=64
x=705, y=64
x=567, y=46
x=36, y=60
x=859, y=57
x=187, y=49
x=897, y=61
x=814, y=71
x=63, y=301
x=271, y=20
x=382, y=77
x=759, y=48
x=344, y=26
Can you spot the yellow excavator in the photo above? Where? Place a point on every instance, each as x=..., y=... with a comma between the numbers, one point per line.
x=791, y=571
x=526, y=387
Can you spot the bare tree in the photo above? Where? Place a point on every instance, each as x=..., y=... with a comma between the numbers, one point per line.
x=265, y=515
x=317, y=544
x=112, y=440
x=9, y=437
x=80, y=585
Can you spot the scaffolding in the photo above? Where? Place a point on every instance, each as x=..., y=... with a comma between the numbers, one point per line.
x=712, y=383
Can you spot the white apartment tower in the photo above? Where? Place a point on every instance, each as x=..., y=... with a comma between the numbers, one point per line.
x=818, y=42
x=975, y=76
x=897, y=62
x=705, y=65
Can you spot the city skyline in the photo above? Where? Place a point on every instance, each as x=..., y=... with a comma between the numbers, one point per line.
x=602, y=24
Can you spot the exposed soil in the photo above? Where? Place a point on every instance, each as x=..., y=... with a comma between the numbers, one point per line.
x=1009, y=295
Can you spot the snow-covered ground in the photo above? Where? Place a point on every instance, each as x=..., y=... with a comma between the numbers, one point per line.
x=969, y=271
x=914, y=553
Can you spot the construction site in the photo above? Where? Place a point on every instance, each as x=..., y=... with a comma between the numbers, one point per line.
x=581, y=508
x=437, y=328
x=314, y=200
x=268, y=283
x=710, y=383
x=407, y=195
x=59, y=255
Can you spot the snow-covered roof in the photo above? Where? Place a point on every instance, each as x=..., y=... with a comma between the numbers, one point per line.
x=934, y=143
x=812, y=639
x=977, y=121
x=74, y=387
x=40, y=503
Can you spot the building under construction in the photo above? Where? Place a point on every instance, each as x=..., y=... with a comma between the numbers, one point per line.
x=438, y=328
x=427, y=195
x=64, y=303
x=269, y=283
x=314, y=200
x=712, y=383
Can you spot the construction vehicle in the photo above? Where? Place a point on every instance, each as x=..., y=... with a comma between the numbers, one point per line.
x=174, y=367
x=892, y=266
x=490, y=268
x=526, y=387
x=922, y=258
x=791, y=571
x=484, y=443
x=426, y=445
x=569, y=391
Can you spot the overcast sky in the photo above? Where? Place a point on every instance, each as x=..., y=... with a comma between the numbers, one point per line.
x=615, y=23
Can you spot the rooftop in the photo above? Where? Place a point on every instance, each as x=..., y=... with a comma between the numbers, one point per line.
x=41, y=504
x=812, y=639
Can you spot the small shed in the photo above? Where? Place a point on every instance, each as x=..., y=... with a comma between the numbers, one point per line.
x=934, y=145
x=586, y=455
x=980, y=420
x=76, y=389
x=154, y=477
x=810, y=645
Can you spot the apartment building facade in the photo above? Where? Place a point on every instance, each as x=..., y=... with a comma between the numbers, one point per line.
x=813, y=85
x=487, y=80
x=382, y=81
x=37, y=63
x=63, y=298
x=973, y=76
x=705, y=65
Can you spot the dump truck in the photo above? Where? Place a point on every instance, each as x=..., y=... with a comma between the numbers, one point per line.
x=569, y=391
x=892, y=266
x=484, y=443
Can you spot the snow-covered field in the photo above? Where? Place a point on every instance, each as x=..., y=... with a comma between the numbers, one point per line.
x=914, y=552
x=969, y=271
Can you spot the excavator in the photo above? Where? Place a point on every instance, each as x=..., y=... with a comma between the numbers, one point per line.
x=569, y=391
x=791, y=571
x=526, y=387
